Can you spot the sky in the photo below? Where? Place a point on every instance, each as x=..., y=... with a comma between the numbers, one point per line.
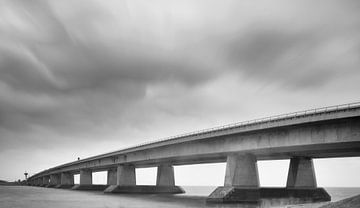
x=81, y=78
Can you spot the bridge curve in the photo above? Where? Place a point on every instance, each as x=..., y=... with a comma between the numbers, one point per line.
x=332, y=131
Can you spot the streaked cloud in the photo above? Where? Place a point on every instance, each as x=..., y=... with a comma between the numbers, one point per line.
x=115, y=73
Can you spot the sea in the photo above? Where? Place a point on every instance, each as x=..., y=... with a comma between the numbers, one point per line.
x=195, y=196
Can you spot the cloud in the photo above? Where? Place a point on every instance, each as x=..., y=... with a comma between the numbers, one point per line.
x=300, y=52
x=74, y=83
x=114, y=73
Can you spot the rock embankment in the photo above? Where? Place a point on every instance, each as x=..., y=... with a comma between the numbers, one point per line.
x=352, y=202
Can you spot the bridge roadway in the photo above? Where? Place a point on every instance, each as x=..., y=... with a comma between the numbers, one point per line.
x=318, y=133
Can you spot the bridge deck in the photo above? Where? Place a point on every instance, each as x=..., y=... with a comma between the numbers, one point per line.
x=297, y=118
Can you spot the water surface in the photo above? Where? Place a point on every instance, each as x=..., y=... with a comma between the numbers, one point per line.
x=37, y=197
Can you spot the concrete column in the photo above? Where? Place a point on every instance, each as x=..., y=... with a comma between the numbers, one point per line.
x=85, y=177
x=242, y=171
x=54, y=179
x=39, y=181
x=67, y=178
x=241, y=181
x=301, y=173
x=165, y=175
x=46, y=180
x=112, y=177
x=126, y=175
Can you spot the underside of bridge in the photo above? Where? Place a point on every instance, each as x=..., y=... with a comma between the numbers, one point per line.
x=300, y=139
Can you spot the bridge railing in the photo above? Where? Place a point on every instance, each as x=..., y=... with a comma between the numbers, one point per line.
x=244, y=124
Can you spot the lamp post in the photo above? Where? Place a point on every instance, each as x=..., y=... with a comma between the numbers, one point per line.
x=26, y=174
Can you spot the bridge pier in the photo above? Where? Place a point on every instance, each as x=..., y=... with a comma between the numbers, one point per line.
x=301, y=181
x=301, y=173
x=112, y=176
x=126, y=181
x=54, y=180
x=165, y=180
x=39, y=182
x=66, y=180
x=165, y=176
x=45, y=181
x=125, y=177
x=241, y=181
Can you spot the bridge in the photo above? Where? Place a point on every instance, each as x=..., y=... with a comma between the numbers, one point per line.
x=301, y=136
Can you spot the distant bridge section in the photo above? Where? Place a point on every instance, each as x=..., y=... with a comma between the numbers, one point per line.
x=317, y=133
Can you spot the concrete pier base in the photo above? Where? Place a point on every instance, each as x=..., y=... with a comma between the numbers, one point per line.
x=227, y=194
x=50, y=186
x=248, y=195
x=143, y=189
x=64, y=186
x=89, y=187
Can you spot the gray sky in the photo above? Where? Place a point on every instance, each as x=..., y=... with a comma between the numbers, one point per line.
x=80, y=78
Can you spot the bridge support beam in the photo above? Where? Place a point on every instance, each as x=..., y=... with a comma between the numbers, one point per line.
x=85, y=177
x=126, y=175
x=54, y=180
x=241, y=171
x=165, y=176
x=301, y=173
x=301, y=181
x=40, y=182
x=66, y=180
x=45, y=181
x=165, y=180
x=112, y=176
x=241, y=181
x=125, y=179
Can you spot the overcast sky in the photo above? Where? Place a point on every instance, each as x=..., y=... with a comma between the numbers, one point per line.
x=80, y=78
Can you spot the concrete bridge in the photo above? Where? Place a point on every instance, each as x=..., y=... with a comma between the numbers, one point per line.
x=301, y=136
